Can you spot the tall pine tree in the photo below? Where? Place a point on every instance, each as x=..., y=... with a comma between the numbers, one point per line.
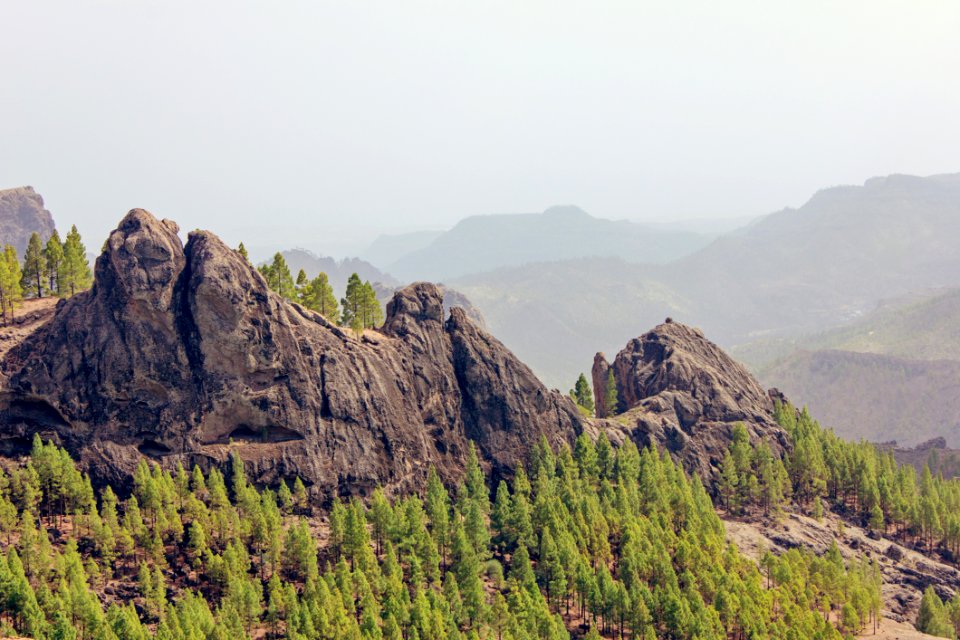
x=34, y=265
x=75, y=271
x=53, y=257
x=11, y=291
x=319, y=297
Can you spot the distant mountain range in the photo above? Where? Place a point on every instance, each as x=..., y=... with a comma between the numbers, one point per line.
x=850, y=303
x=338, y=271
x=483, y=243
x=791, y=273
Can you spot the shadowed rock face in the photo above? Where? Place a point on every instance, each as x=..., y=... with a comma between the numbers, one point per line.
x=21, y=213
x=182, y=353
x=683, y=393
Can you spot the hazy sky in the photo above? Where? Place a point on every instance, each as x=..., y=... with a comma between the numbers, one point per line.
x=320, y=123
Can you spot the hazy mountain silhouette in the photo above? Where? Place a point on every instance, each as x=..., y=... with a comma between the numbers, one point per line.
x=794, y=272
x=337, y=270
x=388, y=248
x=482, y=243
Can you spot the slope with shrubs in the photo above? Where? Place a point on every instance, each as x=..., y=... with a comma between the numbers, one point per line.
x=597, y=542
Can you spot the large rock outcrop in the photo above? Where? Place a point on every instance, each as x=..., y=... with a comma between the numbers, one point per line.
x=681, y=392
x=21, y=214
x=183, y=354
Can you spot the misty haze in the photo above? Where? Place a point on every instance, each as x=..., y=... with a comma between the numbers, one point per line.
x=488, y=321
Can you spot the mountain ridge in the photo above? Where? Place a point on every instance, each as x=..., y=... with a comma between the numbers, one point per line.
x=188, y=344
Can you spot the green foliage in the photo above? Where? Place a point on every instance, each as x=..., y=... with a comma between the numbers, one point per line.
x=242, y=250
x=11, y=291
x=75, y=268
x=278, y=277
x=361, y=309
x=620, y=540
x=582, y=394
x=318, y=295
x=611, y=399
x=865, y=483
x=34, y=265
x=936, y=618
x=53, y=262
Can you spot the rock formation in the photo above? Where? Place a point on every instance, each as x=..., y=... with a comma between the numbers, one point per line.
x=182, y=353
x=681, y=392
x=21, y=214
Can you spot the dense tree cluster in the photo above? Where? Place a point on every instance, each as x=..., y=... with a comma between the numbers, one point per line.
x=51, y=268
x=595, y=542
x=360, y=307
x=751, y=476
x=860, y=481
x=938, y=618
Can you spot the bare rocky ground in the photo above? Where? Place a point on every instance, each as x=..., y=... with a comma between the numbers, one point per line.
x=26, y=319
x=892, y=630
x=906, y=573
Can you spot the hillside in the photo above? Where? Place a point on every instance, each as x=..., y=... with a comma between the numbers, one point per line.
x=22, y=213
x=921, y=326
x=906, y=393
x=219, y=471
x=483, y=243
x=877, y=397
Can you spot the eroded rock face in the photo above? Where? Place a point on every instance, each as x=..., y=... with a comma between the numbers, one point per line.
x=182, y=353
x=683, y=393
x=22, y=213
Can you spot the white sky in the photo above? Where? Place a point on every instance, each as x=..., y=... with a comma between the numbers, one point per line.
x=321, y=123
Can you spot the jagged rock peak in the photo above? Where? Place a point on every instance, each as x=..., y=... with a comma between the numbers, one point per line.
x=141, y=260
x=22, y=213
x=682, y=392
x=182, y=353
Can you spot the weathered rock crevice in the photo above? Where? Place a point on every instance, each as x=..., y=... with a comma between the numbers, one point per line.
x=681, y=392
x=177, y=351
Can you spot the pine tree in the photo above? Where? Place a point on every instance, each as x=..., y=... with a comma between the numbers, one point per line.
x=301, y=286
x=53, y=261
x=582, y=394
x=75, y=269
x=353, y=304
x=933, y=618
x=438, y=510
x=611, y=399
x=319, y=297
x=242, y=250
x=34, y=265
x=279, y=278
x=372, y=311
x=11, y=291
x=468, y=576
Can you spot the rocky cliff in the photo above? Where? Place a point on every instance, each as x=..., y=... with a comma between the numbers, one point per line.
x=21, y=214
x=182, y=353
x=678, y=390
